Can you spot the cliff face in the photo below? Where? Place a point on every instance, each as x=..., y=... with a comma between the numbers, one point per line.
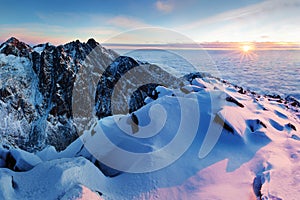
x=125, y=84
x=36, y=88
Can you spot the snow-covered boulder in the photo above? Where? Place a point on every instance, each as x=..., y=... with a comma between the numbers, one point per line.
x=18, y=159
x=62, y=178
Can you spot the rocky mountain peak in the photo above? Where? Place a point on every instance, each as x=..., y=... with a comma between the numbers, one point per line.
x=40, y=98
x=15, y=47
x=92, y=42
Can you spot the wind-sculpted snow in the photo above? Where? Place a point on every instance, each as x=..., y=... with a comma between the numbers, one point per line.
x=251, y=159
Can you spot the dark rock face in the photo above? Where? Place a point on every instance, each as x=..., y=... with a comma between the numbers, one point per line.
x=191, y=76
x=126, y=83
x=257, y=185
x=107, y=82
x=138, y=96
x=293, y=101
x=233, y=100
x=36, y=91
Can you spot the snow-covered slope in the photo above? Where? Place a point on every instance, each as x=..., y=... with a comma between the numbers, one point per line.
x=253, y=152
x=257, y=151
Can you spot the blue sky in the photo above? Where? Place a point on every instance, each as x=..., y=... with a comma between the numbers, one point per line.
x=199, y=20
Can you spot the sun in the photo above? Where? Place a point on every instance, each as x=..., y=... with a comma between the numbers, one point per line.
x=246, y=48
x=247, y=51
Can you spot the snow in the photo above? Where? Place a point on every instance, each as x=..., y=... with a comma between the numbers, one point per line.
x=24, y=160
x=81, y=192
x=200, y=83
x=180, y=151
x=17, y=75
x=49, y=153
x=14, y=62
x=39, y=49
x=51, y=180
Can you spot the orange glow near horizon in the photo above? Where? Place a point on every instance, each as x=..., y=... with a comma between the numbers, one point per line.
x=245, y=47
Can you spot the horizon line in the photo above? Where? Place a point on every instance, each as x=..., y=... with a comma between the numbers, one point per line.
x=281, y=45
x=209, y=45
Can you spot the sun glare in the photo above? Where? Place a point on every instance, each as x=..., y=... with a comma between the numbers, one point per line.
x=246, y=48
x=247, y=51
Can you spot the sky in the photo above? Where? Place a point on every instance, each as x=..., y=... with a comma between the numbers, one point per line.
x=120, y=21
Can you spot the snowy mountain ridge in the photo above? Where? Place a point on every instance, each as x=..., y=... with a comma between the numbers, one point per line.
x=217, y=141
x=36, y=91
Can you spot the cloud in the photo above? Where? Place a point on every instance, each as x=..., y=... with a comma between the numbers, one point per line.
x=250, y=13
x=126, y=22
x=92, y=19
x=279, y=19
x=164, y=7
x=264, y=36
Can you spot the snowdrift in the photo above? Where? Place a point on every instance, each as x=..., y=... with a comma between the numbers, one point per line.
x=255, y=156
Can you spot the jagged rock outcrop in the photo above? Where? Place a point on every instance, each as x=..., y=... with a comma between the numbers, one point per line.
x=126, y=83
x=36, y=90
x=14, y=47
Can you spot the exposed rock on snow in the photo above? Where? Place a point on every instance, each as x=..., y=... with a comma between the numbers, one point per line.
x=126, y=79
x=20, y=160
